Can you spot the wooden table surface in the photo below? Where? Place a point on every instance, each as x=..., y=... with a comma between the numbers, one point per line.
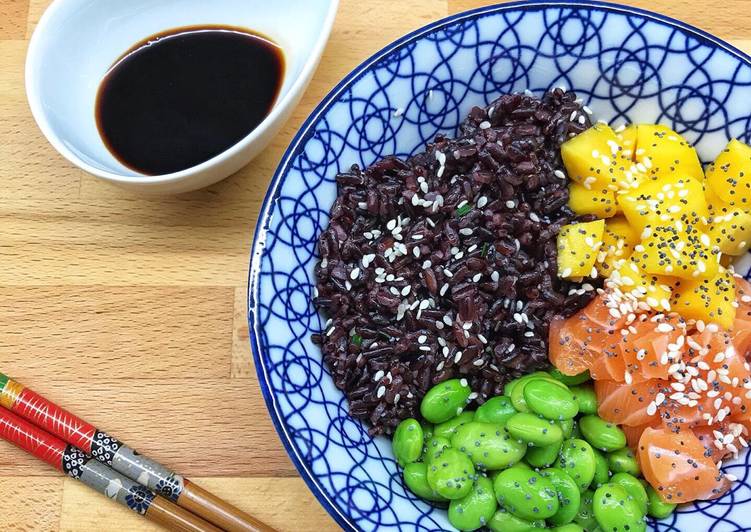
x=131, y=311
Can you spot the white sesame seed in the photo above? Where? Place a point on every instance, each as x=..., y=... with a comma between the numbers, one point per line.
x=381, y=392
x=651, y=409
x=482, y=202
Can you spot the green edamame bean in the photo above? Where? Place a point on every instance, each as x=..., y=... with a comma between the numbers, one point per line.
x=526, y=494
x=532, y=429
x=577, y=458
x=586, y=515
x=543, y=456
x=488, y=446
x=427, y=430
x=407, y=442
x=416, y=479
x=571, y=527
x=569, y=380
x=448, y=428
x=551, y=401
x=569, y=497
x=445, y=400
x=656, y=507
x=615, y=511
x=510, y=385
x=602, y=470
x=601, y=434
x=567, y=426
x=517, y=394
x=503, y=521
x=433, y=447
x=623, y=461
x=586, y=398
x=634, y=488
x=476, y=508
x=450, y=474
x=495, y=410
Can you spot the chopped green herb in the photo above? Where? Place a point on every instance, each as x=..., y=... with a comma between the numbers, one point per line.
x=357, y=339
x=484, y=251
x=464, y=209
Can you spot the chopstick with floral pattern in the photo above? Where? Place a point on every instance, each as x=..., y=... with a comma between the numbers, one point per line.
x=123, y=459
x=80, y=466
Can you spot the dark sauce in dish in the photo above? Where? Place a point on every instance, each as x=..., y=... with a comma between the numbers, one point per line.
x=183, y=96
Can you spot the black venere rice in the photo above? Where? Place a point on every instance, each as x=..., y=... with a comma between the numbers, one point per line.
x=444, y=265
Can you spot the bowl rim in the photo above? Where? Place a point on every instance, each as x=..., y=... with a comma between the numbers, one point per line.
x=260, y=233
x=280, y=106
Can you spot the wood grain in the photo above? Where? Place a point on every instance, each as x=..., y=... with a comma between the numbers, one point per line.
x=131, y=311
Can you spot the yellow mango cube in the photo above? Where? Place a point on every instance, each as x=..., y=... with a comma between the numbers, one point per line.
x=618, y=243
x=663, y=201
x=660, y=151
x=577, y=249
x=654, y=290
x=729, y=229
x=665, y=250
x=626, y=136
x=593, y=158
x=600, y=202
x=729, y=176
x=709, y=300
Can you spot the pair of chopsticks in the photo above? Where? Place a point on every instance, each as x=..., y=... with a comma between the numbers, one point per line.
x=110, y=467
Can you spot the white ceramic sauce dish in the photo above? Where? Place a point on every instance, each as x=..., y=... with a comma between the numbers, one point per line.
x=77, y=41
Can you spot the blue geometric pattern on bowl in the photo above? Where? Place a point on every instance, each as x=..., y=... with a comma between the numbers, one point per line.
x=627, y=64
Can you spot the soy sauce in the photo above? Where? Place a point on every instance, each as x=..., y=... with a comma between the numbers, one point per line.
x=183, y=96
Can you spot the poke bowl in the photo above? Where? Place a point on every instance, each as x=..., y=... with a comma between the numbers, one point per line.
x=417, y=110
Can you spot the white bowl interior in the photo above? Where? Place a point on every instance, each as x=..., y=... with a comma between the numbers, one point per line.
x=78, y=40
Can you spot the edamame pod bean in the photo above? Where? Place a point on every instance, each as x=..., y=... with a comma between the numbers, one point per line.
x=602, y=470
x=416, y=479
x=656, y=507
x=475, y=509
x=517, y=394
x=448, y=428
x=503, y=521
x=551, y=401
x=445, y=400
x=571, y=527
x=577, y=459
x=624, y=461
x=532, y=429
x=450, y=474
x=567, y=426
x=615, y=511
x=495, y=410
x=569, y=498
x=543, y=456
x=569, y=380
x=601, y=434
x=586, y=398
x=586, y=516
x=488, y=446
x=433, y=447
x=407, y=442
x=526, y=494
x=634, y=488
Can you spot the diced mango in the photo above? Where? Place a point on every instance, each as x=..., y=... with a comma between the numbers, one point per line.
x=626, y=136
x=577, y=248
x=729, y=176
x=730, y=231
x=654, y=290
x=663, y=152
x=709, y=300
x=618, y=242
x=662, y=201
x=600, y=202
x=593, y=158
x=665, y=250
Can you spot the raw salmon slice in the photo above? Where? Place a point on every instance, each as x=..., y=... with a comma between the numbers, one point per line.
x=676, y=466
x=627, y=404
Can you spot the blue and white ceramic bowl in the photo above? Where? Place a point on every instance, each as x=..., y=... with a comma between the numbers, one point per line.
x=629, y=64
